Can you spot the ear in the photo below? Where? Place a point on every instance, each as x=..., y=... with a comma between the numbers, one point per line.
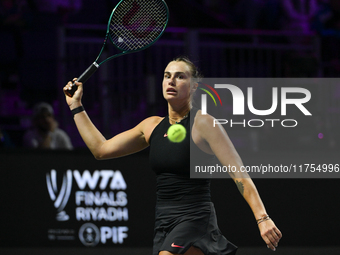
x=194, y=87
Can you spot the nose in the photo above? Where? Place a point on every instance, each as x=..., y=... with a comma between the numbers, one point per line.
x=171, y=81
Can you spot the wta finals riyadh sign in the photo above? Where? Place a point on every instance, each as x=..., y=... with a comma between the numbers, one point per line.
x=99, y=196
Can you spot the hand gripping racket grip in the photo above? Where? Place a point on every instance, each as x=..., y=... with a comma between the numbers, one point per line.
x=83, y=78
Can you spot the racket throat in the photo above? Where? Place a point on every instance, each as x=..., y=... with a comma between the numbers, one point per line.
x=88, y=72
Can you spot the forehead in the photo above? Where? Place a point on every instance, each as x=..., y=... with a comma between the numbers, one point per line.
x=177, y=66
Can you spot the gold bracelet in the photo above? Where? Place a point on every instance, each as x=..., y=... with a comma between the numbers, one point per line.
x=265, y=219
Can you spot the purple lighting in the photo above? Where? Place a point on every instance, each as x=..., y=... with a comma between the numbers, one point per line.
x=320, y=135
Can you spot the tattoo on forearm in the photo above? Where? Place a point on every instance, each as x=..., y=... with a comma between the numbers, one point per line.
x=240, y=187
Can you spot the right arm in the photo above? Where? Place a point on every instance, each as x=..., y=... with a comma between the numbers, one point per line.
x=125, y=143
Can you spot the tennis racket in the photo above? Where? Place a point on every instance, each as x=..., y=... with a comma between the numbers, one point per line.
x=134, y=25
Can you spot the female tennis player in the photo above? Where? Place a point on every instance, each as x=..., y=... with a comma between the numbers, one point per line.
x=185, y=216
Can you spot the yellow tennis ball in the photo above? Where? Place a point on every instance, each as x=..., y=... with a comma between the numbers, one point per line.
x=176, y=133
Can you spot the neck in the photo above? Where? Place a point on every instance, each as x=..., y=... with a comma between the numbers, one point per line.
x=178, y=112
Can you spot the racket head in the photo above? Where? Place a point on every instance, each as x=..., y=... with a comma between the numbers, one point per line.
x=135, y=25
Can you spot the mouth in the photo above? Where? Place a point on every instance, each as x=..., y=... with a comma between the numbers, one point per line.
x=171, y=91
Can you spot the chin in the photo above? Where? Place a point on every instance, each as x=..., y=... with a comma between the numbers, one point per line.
x=171, y=98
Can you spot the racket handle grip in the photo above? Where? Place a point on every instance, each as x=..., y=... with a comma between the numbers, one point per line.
x=83, y=78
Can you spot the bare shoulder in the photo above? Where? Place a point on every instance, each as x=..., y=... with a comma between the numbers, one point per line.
x=206, y=128
x=151, y=122
x=153, y=119
x=148, y=125
x=203, y=122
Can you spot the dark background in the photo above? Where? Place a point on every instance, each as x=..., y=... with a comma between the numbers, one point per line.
x=42, y=47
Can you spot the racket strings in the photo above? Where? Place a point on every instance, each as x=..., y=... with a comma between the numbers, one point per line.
x=136, y=24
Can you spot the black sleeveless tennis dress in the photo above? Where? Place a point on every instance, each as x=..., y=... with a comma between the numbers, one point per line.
x=185, y=215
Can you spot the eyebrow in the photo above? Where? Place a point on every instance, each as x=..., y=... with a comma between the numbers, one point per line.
x=176, y=73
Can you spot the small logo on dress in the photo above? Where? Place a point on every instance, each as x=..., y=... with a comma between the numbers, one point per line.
x=176, y=246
